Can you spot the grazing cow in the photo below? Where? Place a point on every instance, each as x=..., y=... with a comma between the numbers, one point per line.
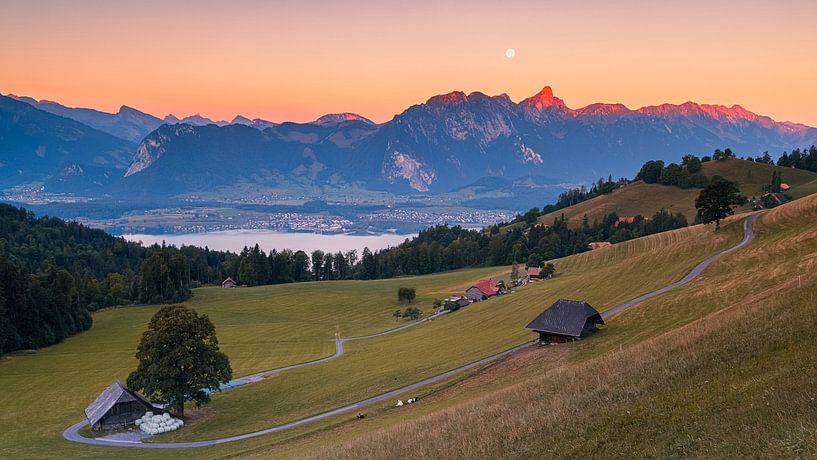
x=399, y=403
x=361, y=415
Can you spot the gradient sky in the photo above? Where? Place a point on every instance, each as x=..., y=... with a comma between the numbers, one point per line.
x=298, y=60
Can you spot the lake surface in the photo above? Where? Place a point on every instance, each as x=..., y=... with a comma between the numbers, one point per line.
x=235, y=240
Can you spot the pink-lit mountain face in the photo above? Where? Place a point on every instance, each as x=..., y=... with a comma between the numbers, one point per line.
x=449, y=141
x=457, y=135
x=456, y=139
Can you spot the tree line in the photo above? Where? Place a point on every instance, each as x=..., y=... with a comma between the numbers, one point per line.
x=54, y=273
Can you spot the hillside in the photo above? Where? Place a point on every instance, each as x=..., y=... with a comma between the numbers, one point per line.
x=276, y=325
x=725, y=352
x=646, y=199
x=706, y=371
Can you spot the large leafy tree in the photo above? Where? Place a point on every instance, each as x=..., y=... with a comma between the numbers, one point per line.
x=718, y=201
x=179, y=359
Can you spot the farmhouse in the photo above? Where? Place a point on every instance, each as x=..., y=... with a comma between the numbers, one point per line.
x=624, y=220
x=482, y=290
x=534, y=273
x=229, y=283
x=564, y=321
x=115, y=407
x=598, y=244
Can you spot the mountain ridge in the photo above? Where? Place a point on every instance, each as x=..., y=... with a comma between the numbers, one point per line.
x=455, y=138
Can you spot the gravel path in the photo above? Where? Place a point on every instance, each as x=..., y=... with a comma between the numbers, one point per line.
x=72, y=432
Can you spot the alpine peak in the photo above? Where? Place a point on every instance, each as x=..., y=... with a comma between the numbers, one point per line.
x=544, y=99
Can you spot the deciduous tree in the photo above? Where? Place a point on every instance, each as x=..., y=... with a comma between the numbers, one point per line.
x=179, y=359
x=718, y=200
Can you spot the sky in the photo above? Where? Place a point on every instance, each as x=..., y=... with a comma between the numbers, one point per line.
x=301, y=59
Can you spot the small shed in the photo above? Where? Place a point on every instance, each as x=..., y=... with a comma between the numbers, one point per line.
x=599, y=244
x=785, y=187
x=483, y=289
x=229, y=283
x=459, y=300
x=535, y=273
x=116, y=407
x=565, y=320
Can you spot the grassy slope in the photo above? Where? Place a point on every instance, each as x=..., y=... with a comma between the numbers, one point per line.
x=720, y=368
x=259, y=328
x=83, y=365
x=647, y=199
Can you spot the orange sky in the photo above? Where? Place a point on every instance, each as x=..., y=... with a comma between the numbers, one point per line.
x=298, y=60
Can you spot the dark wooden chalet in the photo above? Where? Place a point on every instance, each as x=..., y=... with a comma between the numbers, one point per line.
x=565, y=320
x=116, y=407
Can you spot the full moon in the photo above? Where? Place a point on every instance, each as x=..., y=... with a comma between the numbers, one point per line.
x=510, y=53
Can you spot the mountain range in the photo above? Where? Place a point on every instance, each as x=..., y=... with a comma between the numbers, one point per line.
x=448, y=142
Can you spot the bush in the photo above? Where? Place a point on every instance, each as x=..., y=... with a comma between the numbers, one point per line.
x=412, y=313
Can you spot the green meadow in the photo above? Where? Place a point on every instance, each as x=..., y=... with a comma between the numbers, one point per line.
x=266, y=327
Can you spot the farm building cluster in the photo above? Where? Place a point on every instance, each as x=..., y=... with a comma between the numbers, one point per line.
x=488, y=288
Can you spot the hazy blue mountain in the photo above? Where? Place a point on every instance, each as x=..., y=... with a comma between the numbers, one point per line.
x=64, y=154
x=195, y=120
x=128, y=123
x=455, y=139
x=450, y=141
x=335, y=118
x=257, y=123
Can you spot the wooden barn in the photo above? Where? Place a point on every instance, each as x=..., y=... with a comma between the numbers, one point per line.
x=229, y=284
x=565, y=320
x=116, y=407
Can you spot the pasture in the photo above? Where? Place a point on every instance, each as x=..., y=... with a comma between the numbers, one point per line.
x=720, y=368
x=266, y=327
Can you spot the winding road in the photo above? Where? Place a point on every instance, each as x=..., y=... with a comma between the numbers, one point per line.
x=72, y=432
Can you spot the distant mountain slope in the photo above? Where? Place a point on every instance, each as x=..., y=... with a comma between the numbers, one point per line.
x=195, y=120
x=646, y=199
x=128, y=123
x=334, y=118
x=205, y=158
x=454, y=139
x=67, y=155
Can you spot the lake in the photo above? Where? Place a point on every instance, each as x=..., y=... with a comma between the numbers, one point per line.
x=235, y=240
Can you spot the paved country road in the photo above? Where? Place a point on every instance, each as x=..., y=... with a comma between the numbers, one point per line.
x=72, y=432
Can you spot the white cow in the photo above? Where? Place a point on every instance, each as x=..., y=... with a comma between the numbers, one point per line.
x=399, y=403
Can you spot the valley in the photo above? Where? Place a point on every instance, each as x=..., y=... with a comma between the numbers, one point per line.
x=604, y=278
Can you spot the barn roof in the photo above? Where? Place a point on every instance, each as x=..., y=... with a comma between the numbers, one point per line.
x=565, y=317
x=487, y=287
x=534, y=271
x=115, y=393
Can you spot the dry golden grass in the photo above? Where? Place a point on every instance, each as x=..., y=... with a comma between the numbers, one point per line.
x=735, y=381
